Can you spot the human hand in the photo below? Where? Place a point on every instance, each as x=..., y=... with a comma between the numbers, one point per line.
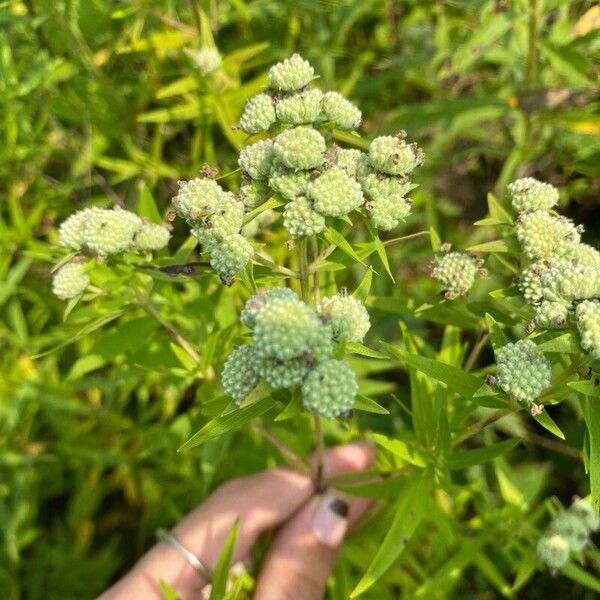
x=302, y=553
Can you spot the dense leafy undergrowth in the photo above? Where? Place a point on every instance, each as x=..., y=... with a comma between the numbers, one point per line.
x=462, y=311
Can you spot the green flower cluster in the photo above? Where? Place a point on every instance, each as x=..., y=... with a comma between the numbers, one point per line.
x=457, y=272
x=587, y=316
x=522, y=371
x=561, y=272
x=299, y=164
x=569, y=532
x=102, y=232
x=215, y=218
x=292, y=345
x=70, y=280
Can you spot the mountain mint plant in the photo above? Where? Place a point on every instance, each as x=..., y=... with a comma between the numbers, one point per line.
x=286, y=250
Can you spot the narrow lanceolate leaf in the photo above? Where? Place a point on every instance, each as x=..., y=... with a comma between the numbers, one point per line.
x=564, y=343
x=469, y=458
x=576, y=573
x=547, y=422
x=229, y=421
x=497, y=335
x=221, y=573
x=380, y=249
x=401, y=449
x=455, y=378
x=591, y=412
x=337, y=239
x=367, y=404
x=409, y=513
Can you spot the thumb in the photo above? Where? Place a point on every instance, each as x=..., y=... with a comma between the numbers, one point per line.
x=303, y=553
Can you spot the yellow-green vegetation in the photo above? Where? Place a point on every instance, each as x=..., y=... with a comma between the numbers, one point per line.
x=213, y=225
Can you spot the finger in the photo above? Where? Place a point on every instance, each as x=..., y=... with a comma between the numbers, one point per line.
x=303, y=553
x=260, y=501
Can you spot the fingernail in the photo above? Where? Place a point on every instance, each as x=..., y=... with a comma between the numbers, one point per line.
x=329, y=522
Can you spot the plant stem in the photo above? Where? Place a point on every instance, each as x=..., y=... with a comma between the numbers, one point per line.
x=301, y=249
x=316, y=287
x=476, y=351
x=482, y=424
x=320, y=453
x=284, y=449
x=303, y=268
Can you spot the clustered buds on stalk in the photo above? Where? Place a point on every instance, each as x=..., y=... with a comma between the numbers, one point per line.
x=456, y=271
x=293, y=345
x=299, y=164
x=569, y=532
x=563, y=273
x=102, y=232
x=522, y=371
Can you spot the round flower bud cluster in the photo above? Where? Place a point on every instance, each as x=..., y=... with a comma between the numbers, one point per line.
x=292, y=345
x=347, y=317
x=562, y=271
x=215, y=218
x=317, y=180
x=70, y=280
x=522, y=371
x=102, y=232
x=587, y=316
x=208, y=59
x=529, y=194
x=568, y=532
x=542, y=234
x=457, y=272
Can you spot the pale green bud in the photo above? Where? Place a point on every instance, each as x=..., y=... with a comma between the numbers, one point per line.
x=584, y=511
x=554, y=551
x=456, y=271
x=584, y=254
x=341, y=111
x=523, y=371
x=208, y=59
x=551, y=315
x=572, y=529
x=258, y=115
x=289, y=184
x=286, y=329
x=198, y=198
x=568, y=282
x=110, y=231
x=542, y=234
x=257, y=159
x=587, y=316
x=254, y=193
x=152, y=237
x=301, y=219
x=229, y=218
x=347, y=317
x=300, y=148
x=230, y=255
x=284, y=373
x=392, y=155
x=334, y=193
x=330, y=388
x=70, y=280
x=240, y=373
x=303, y=107
x=291, y=74
x=529, y=194
x=260, y=299
x=71, y=232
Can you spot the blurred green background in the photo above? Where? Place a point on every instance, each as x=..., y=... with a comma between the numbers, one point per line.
x=103, y=102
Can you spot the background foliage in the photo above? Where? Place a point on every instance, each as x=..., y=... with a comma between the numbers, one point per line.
x=102, y=103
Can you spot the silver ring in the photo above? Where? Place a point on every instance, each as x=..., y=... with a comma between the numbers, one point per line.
x=166, y=536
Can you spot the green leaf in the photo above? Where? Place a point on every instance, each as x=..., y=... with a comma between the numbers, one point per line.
x=497, y=211
x=367, y=404
x=497, y=336
x=591, y=411
x=167, y=591
x=147, y=206
x=362, y=291
x=401, y=449
x=469, y=458
x=337, y=239
x=408, y=514
x=493, y=246
x=356, y=348
x=577, y=574
x=547, y=422
x=230, y=420
x=380, y=249
x=563, y=343
x=434, y=238
x=587, y=388
x=221, y=572
x=455, y=378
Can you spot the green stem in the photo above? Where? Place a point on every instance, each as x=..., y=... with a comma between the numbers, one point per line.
x=303, y=268
x=320, y=453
